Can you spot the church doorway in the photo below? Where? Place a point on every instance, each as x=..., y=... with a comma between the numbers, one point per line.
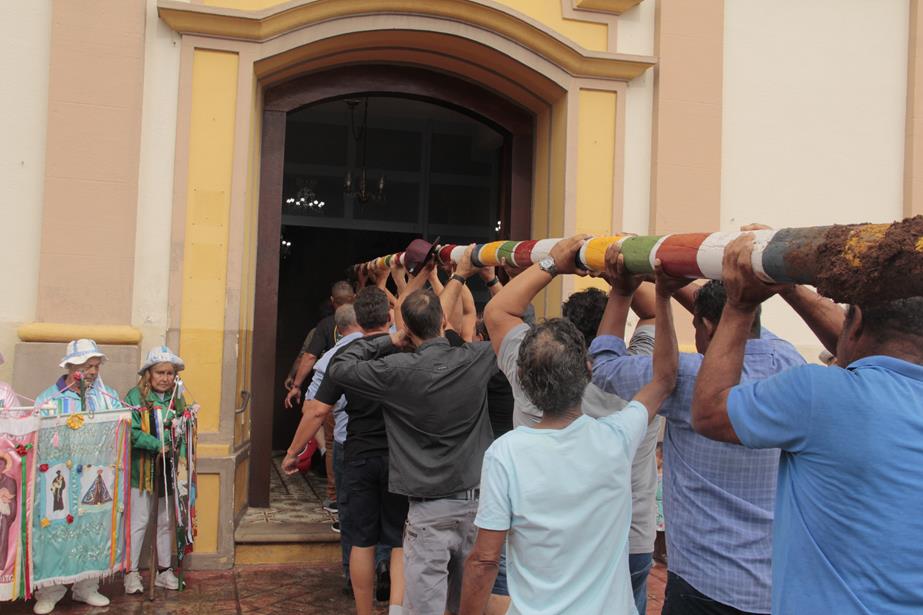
x=357, y=175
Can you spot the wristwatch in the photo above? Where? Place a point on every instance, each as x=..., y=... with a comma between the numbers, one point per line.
x=547, y=265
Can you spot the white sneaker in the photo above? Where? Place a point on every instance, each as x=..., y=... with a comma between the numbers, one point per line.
x=167, y=579
x=133, y=583
x=93, y=598
x=43, y=607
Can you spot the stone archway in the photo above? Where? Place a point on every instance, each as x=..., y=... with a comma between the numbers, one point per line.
x=357, y=80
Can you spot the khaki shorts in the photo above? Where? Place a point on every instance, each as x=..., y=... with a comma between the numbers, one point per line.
x=438, y=537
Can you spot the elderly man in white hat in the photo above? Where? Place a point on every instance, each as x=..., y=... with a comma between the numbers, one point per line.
x=83, y=361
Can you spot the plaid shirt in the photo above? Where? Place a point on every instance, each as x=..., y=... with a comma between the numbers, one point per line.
x=718, y=497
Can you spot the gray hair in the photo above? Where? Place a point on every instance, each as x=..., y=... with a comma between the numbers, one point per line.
x=345, y=317
x=553, y=370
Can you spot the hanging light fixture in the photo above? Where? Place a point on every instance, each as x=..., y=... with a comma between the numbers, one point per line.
x=359, y=188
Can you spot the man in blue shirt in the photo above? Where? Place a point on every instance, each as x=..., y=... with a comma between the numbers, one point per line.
x=718, y=498
x=846, y=537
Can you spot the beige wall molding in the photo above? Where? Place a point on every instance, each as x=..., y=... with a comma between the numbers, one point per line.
x=913, y=147
x=65, y=332
x=616, y=7
x=267, y=24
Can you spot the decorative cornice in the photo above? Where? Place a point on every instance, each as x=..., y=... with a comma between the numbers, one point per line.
x=617, y=7
x=64, y=332
x=266, y=24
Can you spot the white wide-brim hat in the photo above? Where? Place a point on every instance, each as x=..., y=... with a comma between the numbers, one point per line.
x=80, y=351
x=161, y=354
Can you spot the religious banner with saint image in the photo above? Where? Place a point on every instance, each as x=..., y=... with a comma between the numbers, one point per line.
x=18, y=436
x=82, y=494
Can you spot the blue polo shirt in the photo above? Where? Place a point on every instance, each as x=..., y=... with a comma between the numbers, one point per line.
x=848, y=534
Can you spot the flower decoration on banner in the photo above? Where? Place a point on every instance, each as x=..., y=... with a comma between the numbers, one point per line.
x=45, y=522
x=75, y=421
x=69, y=464
x=43, y=467
x=70, y=518
x=55, y=441
x=22, y=449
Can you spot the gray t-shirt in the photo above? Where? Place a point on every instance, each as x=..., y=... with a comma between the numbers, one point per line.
x=598, y=403
x=435, y=408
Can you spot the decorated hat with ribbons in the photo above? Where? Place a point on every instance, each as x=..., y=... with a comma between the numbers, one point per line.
x=161, y=354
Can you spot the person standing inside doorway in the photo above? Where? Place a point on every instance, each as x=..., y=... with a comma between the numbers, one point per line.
x=321, y=339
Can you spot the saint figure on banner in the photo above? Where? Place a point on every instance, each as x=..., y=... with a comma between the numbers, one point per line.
x=9, y=503
x=57, y=490
x=97, y=493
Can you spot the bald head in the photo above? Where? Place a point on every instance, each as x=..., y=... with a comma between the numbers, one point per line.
x=342, y=293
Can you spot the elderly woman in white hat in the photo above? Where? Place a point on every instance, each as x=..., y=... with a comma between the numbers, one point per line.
x=156, y=392
x=83, y=362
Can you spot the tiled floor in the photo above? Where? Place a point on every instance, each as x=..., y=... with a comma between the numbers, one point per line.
x=293, y=498
x=269, y=590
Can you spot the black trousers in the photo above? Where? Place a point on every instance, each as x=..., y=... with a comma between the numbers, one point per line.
x=680, y=598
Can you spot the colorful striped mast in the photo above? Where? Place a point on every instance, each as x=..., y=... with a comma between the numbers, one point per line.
x=853, y=263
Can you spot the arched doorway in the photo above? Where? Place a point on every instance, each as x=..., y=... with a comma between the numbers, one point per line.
x=414, y=101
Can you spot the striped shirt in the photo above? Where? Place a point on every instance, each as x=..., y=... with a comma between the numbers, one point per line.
x=719, y=498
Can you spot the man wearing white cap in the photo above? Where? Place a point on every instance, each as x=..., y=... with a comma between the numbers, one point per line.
x=83, y=362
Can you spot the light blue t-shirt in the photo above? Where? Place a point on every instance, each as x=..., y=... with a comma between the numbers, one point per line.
x=340, y=418
x=848, y=522
x=565, y=497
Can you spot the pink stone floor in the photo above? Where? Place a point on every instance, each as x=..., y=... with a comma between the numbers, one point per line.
x=269, y=590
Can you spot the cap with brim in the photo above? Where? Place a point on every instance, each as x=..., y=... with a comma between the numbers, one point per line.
x=162, y=354
x=80, y=351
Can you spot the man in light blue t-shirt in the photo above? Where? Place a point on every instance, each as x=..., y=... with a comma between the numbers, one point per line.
x=850, y=488
x=567, y=554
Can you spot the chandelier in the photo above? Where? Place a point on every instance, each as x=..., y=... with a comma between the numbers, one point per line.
x=305, y=200
x=360, y=188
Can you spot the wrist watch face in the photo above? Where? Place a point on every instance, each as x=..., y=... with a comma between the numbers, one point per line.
x=547, y=265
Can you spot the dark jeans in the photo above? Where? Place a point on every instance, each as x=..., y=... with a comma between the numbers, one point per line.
x=338, y=453
x=639, y=565
x=382, y=553
x=681, y=598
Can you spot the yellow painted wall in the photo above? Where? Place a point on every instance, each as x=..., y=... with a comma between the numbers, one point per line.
x=211, y=144
x=594, y=36
x=595, y=168
x=207, y=498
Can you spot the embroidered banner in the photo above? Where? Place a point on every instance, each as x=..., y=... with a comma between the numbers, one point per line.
x=82, y=497
x=185, y=439
x=17, y=477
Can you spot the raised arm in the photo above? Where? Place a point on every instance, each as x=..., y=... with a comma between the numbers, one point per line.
x=416, y=283
x=666, y=349
x=823, y=316
x=621, y=294
x=723, y=362
x=504, y=312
